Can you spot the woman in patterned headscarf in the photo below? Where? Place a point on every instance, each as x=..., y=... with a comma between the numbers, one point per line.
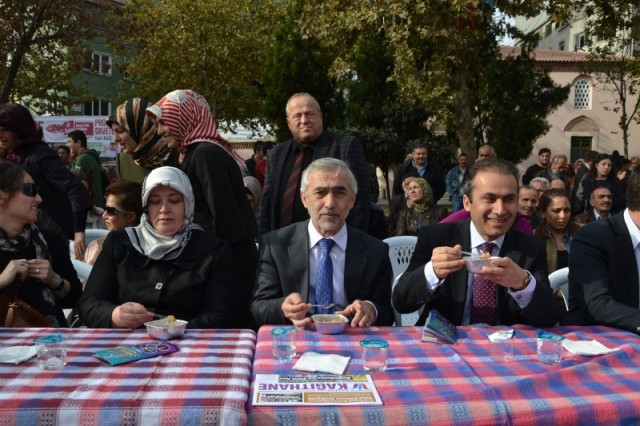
x=215, y=170
x=421, y=212
x=166, y=265
x=142, y=148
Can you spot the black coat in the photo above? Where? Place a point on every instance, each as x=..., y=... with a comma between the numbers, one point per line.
x=197, y=286
x=31, y=289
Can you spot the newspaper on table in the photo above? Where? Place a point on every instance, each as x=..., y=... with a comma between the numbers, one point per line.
x=275, y=389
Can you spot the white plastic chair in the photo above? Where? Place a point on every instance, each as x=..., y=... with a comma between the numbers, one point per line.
x=89, y=235
x=559, y=280
x=400, y=251
x=82, y=269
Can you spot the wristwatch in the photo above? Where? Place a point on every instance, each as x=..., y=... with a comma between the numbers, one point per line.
x=526, y=281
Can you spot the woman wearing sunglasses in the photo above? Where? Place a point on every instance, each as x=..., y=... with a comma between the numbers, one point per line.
x=35, y=263
x=167, y=265
x=123, y=208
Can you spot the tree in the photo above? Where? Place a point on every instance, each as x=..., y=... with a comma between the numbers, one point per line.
x=613, y=32
x=514, y=103
x=42, y=43
x=215, y=47
x=441, y=49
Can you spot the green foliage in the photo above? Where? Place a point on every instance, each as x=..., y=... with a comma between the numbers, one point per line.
x=215, y=47
x=42, y=45
x=513, y=104
x=613, y=32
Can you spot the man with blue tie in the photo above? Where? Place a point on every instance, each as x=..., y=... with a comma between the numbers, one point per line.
x=322, y=260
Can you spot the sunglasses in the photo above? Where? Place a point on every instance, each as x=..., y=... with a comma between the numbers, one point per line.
x=29, y=189
x=112, y=211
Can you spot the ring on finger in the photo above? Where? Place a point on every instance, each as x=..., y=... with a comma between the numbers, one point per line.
x=37, y=271
x=23, y=263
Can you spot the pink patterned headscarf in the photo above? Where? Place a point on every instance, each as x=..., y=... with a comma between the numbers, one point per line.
x=190, y=119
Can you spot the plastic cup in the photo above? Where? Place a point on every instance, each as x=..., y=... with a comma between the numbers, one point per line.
x=284, y=342
x=374, y=355
x=51, y=352
x=549, y=347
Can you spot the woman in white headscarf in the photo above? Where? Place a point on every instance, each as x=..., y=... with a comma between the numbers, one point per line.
x=167, y=265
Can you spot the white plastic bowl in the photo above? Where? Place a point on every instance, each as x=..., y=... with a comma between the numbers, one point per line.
x=475, y=263
x=164, y=330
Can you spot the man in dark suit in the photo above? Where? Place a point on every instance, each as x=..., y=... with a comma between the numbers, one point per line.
x=603, y=268
x=291, y=257
x=420, y=166
x=516, y=284
x=600, y=201
x=310, y=141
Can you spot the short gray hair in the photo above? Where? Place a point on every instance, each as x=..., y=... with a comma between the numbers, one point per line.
x=298, y=95
x=328, y=164
x=542, y=180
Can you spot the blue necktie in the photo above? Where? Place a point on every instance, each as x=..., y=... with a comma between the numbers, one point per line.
x=324, y=285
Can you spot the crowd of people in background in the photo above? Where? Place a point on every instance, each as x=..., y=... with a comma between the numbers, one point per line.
x=220, y=240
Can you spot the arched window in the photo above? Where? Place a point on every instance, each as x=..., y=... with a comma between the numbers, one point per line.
x=582, y=97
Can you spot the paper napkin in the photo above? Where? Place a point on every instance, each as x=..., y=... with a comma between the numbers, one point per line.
x=313, y=361
x=17, y=354
x=586, y=347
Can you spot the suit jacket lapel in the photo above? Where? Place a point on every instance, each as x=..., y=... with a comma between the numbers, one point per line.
x=299, y=255
x=460, y=279
x=355, y=261
x=628, y=257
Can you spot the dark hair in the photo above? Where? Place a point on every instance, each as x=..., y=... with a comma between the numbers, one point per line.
x=66, y=148
x=257, y=146
x=129, y=195
x=633, y=192
x=549, y=195
x=499, y=166
x=593, y=171
x=78, y=136
x=266, y=147
x=11, y=177
x=591, y=155
x=462, y=154
x=18, y=119
x=544, y=151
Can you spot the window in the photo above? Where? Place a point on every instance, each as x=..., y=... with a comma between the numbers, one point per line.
x=99, y=63
x=97, y=107
x=582, y=96
x=580, y=145
x=579, y=41
x=561, y=45
x=547, y=30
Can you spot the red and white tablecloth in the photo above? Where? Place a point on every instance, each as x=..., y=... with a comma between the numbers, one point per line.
x=470, y=382
x=206, y=382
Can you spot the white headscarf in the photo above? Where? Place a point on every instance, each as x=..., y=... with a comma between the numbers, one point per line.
x=144, y=237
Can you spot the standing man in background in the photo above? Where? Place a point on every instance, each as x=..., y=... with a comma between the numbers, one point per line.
x=281, y=204
x=544, y=156
x=420, y=166
x=455, y=182
x=88, y=161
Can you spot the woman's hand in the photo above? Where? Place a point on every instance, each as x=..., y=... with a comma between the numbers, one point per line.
x=15, y=268
x=79, y=246
x=130, y=315
x=40, y=269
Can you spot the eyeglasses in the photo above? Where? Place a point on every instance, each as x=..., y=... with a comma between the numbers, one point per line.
x=112, y=211
x=29, y=189
x=310, y=115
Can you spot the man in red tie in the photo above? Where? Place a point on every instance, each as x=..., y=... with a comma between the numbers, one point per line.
x=281, y=204
x=513, y=289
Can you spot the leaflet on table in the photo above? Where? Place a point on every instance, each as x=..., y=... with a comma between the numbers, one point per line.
x=439, y=329
x=124, y=354
x=274, y=389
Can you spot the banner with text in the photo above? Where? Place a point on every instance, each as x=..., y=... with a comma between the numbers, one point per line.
x=99, y=135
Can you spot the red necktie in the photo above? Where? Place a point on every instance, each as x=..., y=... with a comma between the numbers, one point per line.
x=484, y=296
x=286, y=211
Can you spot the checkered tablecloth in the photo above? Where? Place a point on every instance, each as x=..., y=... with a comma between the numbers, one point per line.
x=470, y=382
x=206, y=382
